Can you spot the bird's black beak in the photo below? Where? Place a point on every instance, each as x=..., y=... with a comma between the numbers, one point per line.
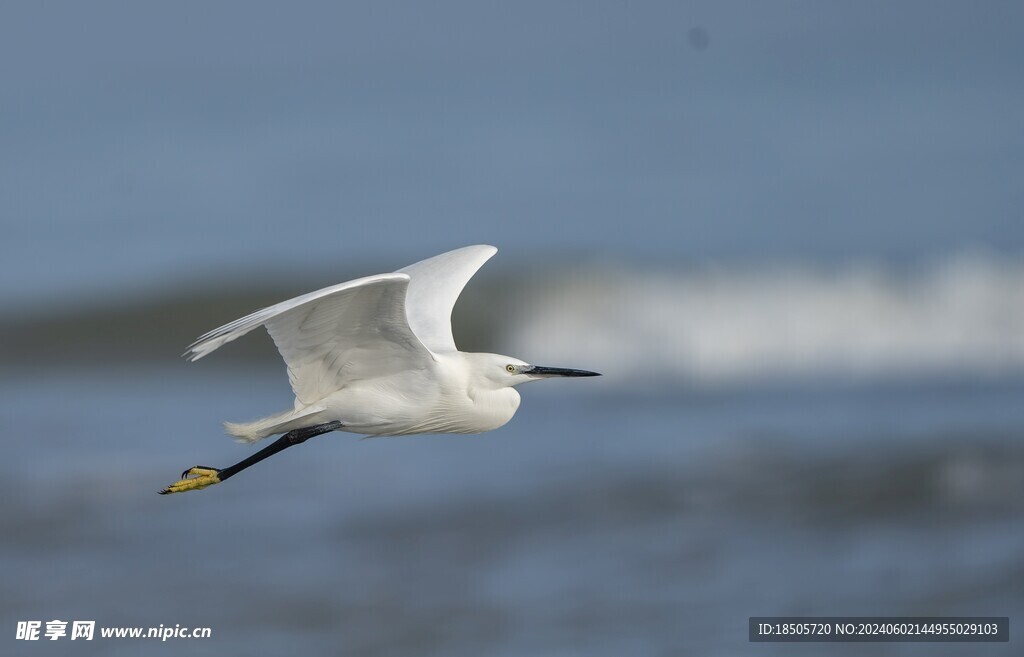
x=540, y=371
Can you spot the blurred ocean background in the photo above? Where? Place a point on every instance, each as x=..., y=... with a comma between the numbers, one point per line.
x=790, y=235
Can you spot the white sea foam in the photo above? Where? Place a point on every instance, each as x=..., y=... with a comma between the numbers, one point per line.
x=722, y=326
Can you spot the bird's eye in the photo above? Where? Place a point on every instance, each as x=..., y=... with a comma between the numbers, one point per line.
x=511, y=368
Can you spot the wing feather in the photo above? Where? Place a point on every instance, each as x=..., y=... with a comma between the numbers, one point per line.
x=345, y=332
x=435, y=287
x=370, y=327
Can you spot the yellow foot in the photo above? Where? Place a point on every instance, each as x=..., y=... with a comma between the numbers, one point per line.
x=195, y=478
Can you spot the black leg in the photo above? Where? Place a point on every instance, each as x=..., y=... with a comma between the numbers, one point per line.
x=296, y=437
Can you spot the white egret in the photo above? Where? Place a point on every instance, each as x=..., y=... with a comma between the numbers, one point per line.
x=376, y=356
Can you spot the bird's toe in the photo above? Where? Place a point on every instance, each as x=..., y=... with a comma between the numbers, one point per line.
x=195, y=478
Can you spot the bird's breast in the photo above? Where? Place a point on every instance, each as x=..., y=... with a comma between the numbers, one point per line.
x=489, y=409
x=392, y=411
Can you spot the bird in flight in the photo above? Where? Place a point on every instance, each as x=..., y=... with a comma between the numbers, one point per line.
x=376, y=356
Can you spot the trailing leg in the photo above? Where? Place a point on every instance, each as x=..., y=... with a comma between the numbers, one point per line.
x=199, y=477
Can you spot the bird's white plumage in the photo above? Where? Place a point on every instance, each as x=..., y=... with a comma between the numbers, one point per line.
x=435, y=287
x=355, y=334
x=356, y=331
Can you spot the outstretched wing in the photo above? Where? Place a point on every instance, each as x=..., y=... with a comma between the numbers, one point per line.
x=345, y=332
x=435, y=286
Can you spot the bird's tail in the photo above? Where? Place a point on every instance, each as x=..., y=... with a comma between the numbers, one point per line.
x=285, y=421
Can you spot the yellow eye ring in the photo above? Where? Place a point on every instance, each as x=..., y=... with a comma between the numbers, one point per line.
x=511, y=368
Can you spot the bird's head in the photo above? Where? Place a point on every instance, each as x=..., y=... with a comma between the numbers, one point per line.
x=505, y=371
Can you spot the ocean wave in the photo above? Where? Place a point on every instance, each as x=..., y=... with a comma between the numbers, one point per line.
x=708, y=326
x=730, y=325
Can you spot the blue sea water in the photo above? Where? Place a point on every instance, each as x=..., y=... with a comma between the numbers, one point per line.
x=594, y=522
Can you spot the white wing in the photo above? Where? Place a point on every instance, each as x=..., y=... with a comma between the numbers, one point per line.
x=350, y=331
x=436, y=284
